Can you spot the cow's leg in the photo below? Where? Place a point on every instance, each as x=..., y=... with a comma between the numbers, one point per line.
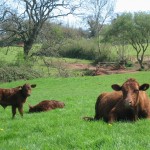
x=97, y=117
x=13, y=111
x=112, y=116
x=20, y=109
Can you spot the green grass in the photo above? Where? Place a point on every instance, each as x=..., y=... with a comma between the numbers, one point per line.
x=64, y=128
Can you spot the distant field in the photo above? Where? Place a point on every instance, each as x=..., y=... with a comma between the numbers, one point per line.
x=15, y=52
x=64, y=129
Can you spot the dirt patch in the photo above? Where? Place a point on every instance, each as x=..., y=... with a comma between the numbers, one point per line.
x=80, y=66
x=100, y=70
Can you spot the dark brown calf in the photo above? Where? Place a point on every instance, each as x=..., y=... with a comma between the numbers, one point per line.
x=46, y=105
x=133, y=104
x=15, y=97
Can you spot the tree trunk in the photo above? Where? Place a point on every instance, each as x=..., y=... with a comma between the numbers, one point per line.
x=27, y=48
x=140, y=60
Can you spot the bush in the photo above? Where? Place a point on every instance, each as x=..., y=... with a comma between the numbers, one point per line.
x=129, y=64
x=105, y=55
x=81, y=48
x=8, y=74
x=20, y=69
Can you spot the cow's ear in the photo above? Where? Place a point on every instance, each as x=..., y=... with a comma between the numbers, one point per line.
x=144, y=87
x=33, y=85
x=116, y=87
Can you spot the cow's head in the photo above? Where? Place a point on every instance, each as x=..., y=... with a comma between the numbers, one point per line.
x=31, y=108
x=130, y=90
x=26, y=89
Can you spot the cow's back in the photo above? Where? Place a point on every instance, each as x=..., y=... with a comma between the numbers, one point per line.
x=105, y=102
x=46, y=105
x=9, y=96
x=51, y=104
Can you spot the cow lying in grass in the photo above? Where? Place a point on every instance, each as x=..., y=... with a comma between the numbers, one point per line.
x=133, y=104
x=15, y=97
x=46, y=105
x=127, y=102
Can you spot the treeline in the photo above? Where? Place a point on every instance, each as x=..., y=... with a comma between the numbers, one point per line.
x=59, y=41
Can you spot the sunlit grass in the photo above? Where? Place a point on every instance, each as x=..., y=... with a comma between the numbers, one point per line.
x=64, y=128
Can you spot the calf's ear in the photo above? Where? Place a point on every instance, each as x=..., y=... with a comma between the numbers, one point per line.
x=116, y=87
x=30, y=106
x=144, y=87
x=33, y=85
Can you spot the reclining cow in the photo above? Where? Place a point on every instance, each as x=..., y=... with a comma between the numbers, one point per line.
x=46, y=105
x=127, y=102
x=133, y=104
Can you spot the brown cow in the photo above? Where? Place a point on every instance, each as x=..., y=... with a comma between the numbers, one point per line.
x=105, y=102
x=46, y=105
x=134, y=103
x=15, y=97
x=127, y=102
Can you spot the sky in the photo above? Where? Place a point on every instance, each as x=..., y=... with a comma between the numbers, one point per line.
x=121, y=6
x=132, y=5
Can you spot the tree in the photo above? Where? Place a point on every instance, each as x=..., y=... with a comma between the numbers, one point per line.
x=26, y=19
x=99, y=12
x=131, y=29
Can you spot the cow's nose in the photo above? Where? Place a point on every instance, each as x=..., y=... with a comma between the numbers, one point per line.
x=130, y=103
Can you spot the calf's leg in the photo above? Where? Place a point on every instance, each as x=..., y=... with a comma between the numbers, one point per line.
x=13, y=111
x=20, y=109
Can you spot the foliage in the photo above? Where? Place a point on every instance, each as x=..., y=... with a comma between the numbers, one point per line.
x=8, y=74
x=131, y=29
x=129, y=64
x=64, y=128
x=55, y=36
x=79, y=48
x=106, y=54
x=99, y=12
x=26, y=23
x=18, y=69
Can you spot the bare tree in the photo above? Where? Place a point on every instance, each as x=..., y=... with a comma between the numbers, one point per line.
x=26, y=19
x=99, y=12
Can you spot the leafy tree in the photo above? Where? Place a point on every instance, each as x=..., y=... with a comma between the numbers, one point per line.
x=131, y=29
x=26, y=19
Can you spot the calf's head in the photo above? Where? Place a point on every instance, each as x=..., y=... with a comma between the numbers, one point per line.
x=26, y=89
x=130, y=90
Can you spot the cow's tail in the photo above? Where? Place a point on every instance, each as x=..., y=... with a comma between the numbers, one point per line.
x=88, y=119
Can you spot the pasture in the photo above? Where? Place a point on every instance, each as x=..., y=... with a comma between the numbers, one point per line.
x=64, y=128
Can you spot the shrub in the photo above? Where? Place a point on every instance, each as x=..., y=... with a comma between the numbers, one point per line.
x=129, y=64
x=81, y=48
x=8, y=74
x=105, y=55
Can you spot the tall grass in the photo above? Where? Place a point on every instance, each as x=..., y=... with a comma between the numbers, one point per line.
x=64, y=128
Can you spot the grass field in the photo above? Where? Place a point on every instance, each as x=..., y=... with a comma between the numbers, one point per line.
x=64, y=129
